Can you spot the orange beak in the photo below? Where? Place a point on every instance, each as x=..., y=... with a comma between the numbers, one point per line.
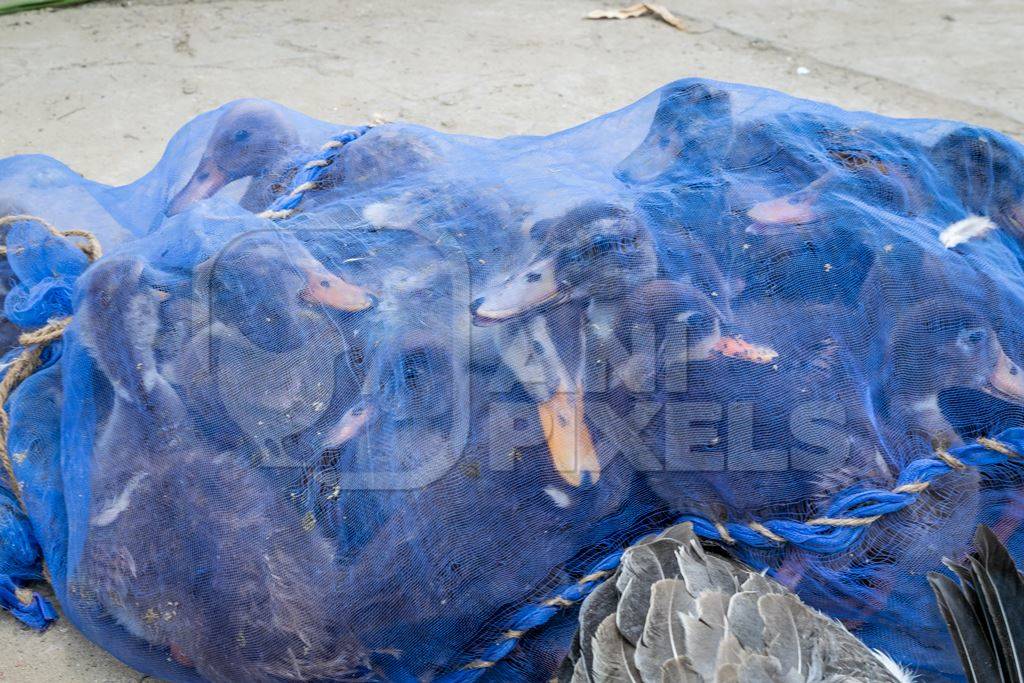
x=734, y=347
x=324, y=287
x=1006, y=381
x=525, y=291
x=351, y=424
x=796, y=208
x=204, y=183
x=568, y=438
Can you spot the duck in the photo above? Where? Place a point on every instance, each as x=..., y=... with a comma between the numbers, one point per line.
x=268, y=286
x=242, y=589
x=944, y=378
x=586, y=260
x=841, y=202
x=806, y=162
x=251, y=139
x=406, y=423
x=666, y=323
x=519, y=528
x=977, y=172
x=250, y=338
x=675, y=610
x=939, y=346
x=808, y=265
x=396, y=378
x=691, y=127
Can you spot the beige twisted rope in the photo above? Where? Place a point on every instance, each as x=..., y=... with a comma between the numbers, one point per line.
x=34, y=342
x=91, y=248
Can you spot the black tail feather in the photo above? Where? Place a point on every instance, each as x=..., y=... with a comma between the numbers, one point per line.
x=985, y=613
x=1002, y=589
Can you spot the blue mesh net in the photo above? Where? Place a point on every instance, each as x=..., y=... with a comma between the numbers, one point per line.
x=384, y=403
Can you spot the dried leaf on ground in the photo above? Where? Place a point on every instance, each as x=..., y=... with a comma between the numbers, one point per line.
x=640, y=10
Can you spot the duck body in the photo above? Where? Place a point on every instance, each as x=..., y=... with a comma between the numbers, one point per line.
x=151, y=473
x=786, y=412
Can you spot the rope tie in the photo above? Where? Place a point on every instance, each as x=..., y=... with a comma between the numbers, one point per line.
x=838, y=521
x=915, y=487
x=34, y=343
x=946, y=457
x=998, y=447
x=91, y=248
x=766, y=532
x=310, y=175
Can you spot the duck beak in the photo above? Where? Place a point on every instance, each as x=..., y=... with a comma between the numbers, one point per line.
x=351, y=425
x=1007, y=380
x=784, y=211
x=324, y=287
x=569, y=443
x=792, y=209
x=735, y=347
x=204, y=183
x=525, y=291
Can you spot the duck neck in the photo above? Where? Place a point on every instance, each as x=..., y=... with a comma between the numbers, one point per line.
x=922, y=415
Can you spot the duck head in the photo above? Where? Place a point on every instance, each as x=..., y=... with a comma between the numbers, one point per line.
x=589, y=258
x=984, y=170
x=248, y=140
x=118, y=312
x=939, y=346
x=691, y=126
x=412, y=382
x=268, y=285
x=789, y=212
x=674, y=311
x=846, y=164
x=594, y=252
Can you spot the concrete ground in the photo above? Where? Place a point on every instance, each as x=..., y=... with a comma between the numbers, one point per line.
x=103, y=86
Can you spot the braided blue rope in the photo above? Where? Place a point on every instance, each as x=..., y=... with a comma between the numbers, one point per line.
x=310, y=173
x=845, y=522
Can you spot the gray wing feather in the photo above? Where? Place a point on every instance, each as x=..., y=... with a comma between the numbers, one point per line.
x=613, y=656
x=782, y=638
x=704, y=631
x=745, y=621
x=664, y=638
x=675, y=613
x=677, y=671
x=595, y=609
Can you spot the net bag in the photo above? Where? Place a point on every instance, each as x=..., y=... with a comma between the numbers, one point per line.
x=310, y=402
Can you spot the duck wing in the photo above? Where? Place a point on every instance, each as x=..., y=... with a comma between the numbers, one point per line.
x=676, y=612
x=985, y=612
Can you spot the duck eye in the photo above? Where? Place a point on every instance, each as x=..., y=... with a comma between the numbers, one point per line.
x=971, y=338
x=241, y=135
